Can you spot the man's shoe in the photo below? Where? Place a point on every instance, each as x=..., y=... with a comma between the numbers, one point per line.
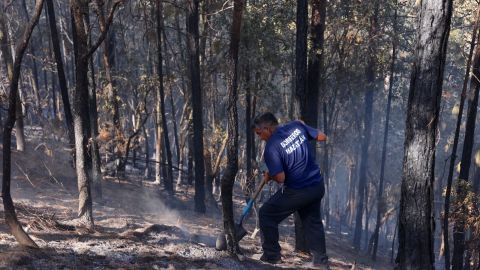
x=319, y=266
x=271, y=259
x=319, y=261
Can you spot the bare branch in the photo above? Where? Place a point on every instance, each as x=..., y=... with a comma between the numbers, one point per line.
x=104, y=31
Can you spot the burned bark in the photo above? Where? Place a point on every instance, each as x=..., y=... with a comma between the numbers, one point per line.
x=61, y=73
x=300, y=95
x=81, y=115
x=416, y=222
x=161, y=100
x=196, y=101
x=9, y=208
x=228, y=178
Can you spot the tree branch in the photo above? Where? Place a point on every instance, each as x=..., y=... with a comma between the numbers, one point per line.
x=105, y=30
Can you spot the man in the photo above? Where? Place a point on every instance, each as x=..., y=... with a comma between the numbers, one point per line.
x=291, y=162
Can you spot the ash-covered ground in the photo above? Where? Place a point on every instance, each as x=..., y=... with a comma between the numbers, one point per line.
x=137, y=225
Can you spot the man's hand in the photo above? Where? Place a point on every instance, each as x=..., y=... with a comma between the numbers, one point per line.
x=266, y=177
x=279, y=178
x=321, y=137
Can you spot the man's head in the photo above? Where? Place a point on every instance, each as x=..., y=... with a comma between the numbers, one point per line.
x=264, y=125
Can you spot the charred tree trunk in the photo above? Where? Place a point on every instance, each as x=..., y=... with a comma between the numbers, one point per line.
x=299, y=106
x=93, y=117
x=196, y=101
x=35, y=86
x=461, y=223
x=326, y=166
x=455, y=145
x=380, y=201
x=367, y=130
x=228, y=178
x=14, y=75
x=161, y=98
x=61, y=73
x=415, y=235
x=172, y=105
x=250, y=183
x=81, y=115
x=316, y=83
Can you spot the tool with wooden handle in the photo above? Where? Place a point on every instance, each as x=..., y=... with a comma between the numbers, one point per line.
x=221, y=243
x=241, y=232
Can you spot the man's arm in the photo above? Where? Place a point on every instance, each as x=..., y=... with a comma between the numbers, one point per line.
x=321, y=137
x=279, y=177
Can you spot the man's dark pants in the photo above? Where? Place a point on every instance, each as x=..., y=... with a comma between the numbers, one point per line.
x=285, y=202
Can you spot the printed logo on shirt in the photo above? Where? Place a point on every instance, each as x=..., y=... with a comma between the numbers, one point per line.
x=293, y=141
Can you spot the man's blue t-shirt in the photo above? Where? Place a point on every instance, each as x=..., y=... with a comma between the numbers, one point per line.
x=288, y=151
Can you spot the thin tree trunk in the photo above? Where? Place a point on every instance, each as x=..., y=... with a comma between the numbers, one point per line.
x=316, y=84
x=455, y=145
x=416, y=222
x=228, y=178
x=326, y=166
x=380, y=202
x=461, y=223
x=19, y=126
x=250, y=184
x=161, y=98
x=172, y=105
x=300, y=95
x=13, y=71
x=94, y=149
x=81, y=115
x=196, y=101
x=367, y=131
x=35, y=86
x=61, y=73
x=395, y=232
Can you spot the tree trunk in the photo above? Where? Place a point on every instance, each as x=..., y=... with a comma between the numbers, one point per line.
x=81, y=115
x=196, y=101
x=228, y=178
x=461, y=223
x=172, y=105
x=415, y=232
x=326, y=165
x=35, y=85
x=161, y=99
x=367, y=131
x=147, y=153
x=19, y=126
x=453, y=157
x=350, y=208
x=316, y=85
x=93, y=117
x=300, y=94
x=61, y=73
x=380, y=202
x=250, y=183
x=13, y=71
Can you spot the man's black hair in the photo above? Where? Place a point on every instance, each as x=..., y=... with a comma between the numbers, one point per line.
x=265, y=118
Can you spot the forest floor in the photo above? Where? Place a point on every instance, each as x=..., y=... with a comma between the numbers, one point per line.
x=137, y=225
